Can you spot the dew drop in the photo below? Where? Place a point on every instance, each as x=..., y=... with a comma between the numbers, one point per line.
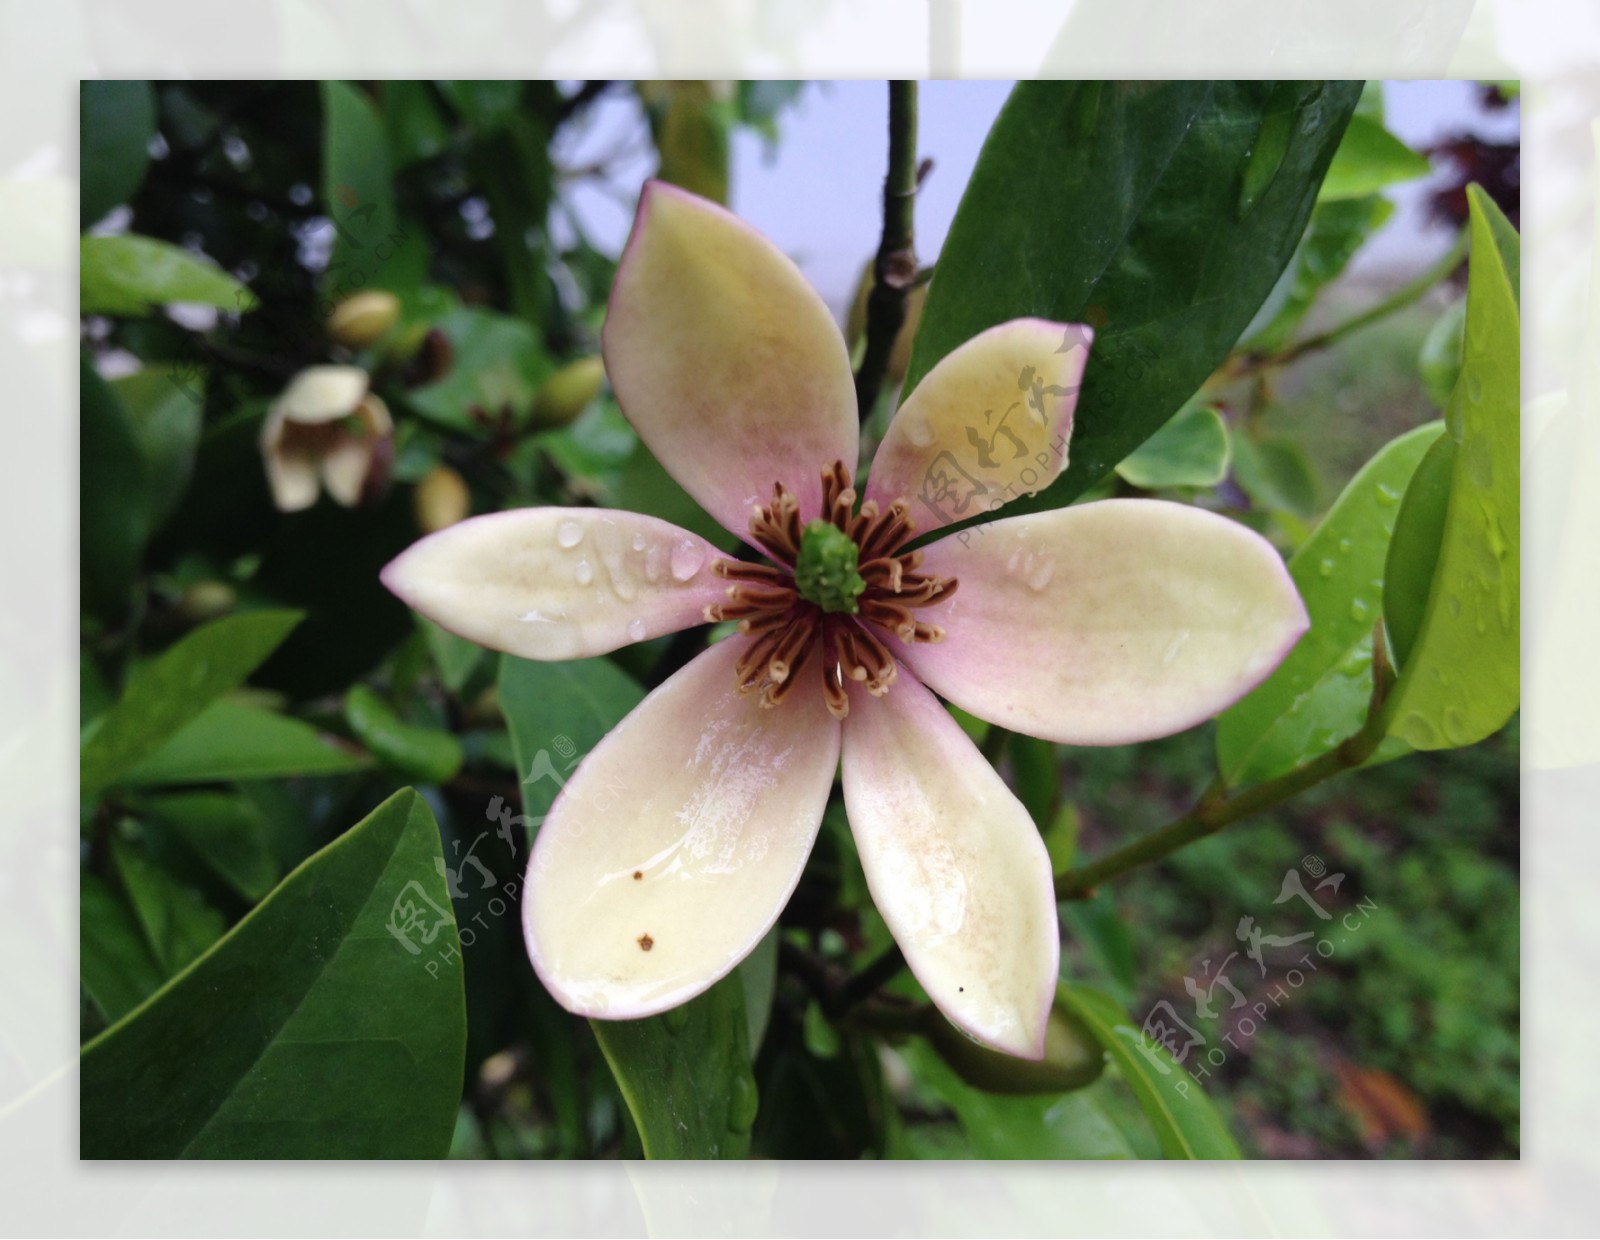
x=1455, y=727
x=1454, y=603
x=918, y=431
x=1387, y=495
x=639, y=542
x=1325, y=569
x=1418, y=732
x=1480, y=464
x=687, y=557
x=569, y=534
x=1344, y=546
x=1173, y=647
x=584, y=572
x=1475, y=389
x=1359, y=610
x=652, y=564
x=621, y=579
x=1039, y=578
x=636, y=630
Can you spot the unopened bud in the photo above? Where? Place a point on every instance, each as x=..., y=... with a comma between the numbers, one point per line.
x=441, y=499
x=206, y=600
x=1072, y=1058
x=568, y=392
x=363, y=318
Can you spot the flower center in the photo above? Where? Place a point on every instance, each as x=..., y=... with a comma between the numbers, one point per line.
x=834, y=588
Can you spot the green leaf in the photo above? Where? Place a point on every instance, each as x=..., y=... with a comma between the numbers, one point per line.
x=685, y=1075
x=226, y=831
x=759, y=974
x=1192, y=450
x=690, y=126
x=178, y=924
x=1318, y=696
x=1463, y=680
x=1119, y=205
x=455, y=658
x=115, y=963
x=177, y=686
x=648, y=488
x=1368, y=159
x=430, y=755
x=1072, y=1125
x=1414, y=549
x=486, y=104
x=165, y=418
x=329, y=1023
x=116, y=121
x=511, y=165
x=1275, y=474
x=129, y=275
x=1337, y=230
x=1440, y=358
x=1186, y=1124
x=415, y=123
x=113, y=496
x=557, y=713
x=232, y=740
x=358, y=193
x=500, y=362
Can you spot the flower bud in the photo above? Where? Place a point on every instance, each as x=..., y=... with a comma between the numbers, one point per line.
x=206, y=600
x=1072, y=1058
x=363, y=318
x=568, y=392
x=441, y=499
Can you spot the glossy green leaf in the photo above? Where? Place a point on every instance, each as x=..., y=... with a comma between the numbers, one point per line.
x=499, y=364
x=455, y=658
x=226, y=831
x=646, y=487
x=1071, y=1125
x=175, y=687
x=1368, y=159
x=1275, y=474
x=1119, y=205
x=129, y=275
x=511, y=165
x=1337, y=230
x=115, y=963
x=1186, y=1124
x=358, y=193
x=1440, y=358
x=232, y=740
x=178, y=925
x=759, y=974
x=685, y=1075
x=116, y=121
x=329, y=1023
x=1319, y=694
x=557, y=713
x=484, y=103
x=415, y=123
x=164, y=411
x=1192, y=450
x=1463, y=680
x=113, y=496
x=1414, y=549
x=430, y=755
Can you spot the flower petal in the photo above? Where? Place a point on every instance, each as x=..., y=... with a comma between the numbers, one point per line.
x=990, y=422
x=323, y=393
x=1107, y=623
x=955, y=866
x=676, y=844
x=558, y=583
x=348, y=459
x=291, y=476
x=725, y=360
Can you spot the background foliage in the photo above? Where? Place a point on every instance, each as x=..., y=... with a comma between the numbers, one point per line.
x=286, y=952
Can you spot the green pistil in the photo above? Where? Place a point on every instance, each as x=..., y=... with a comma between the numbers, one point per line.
x=825, y=573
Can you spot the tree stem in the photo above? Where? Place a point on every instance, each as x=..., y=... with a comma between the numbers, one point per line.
x=1215, y=810
x=895, y=268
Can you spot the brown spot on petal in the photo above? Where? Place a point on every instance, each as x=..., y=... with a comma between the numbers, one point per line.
x=637, y=875
x=646, y=942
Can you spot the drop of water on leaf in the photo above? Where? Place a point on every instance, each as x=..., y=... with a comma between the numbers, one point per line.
x=584, y=572
x=1480, y=464
x=1359, y=610
x=1454, y=603
x=1325, y=569
x=569, y=534
x=1418, y=732
x=1455, y=727
x=1344, y=546
x=1387, y=495
x=743, y=1102
x=687, y=557
x=636, y=630
x=1475, y=389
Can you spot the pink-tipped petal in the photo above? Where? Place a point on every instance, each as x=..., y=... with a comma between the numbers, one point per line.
x=675, y=845
x=990, y=422
x=1107, y=623
x=725, y=360
x=291, y=474
x=558, y=583
x=955, y=865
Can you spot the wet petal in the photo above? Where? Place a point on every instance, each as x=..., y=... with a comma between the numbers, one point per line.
x=1107, y=623
x=675, y=845
x=990, y=422
x=291, y=476
x=558, y=583
x=955, y=865
x=725, y=360
x=323, y=393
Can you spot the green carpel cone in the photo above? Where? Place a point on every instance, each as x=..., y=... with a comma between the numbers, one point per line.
x=825, y=573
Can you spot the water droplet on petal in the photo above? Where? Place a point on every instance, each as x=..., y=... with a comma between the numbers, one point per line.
x=652, y=563
x=1039, y=577
x=584, y=572
x=918, y=431
x=569, y=534
x=687, y=557
x=1173, y=647
x=639, y=541
x=636, y=630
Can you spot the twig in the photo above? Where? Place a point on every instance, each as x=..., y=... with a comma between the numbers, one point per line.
x=1216, y=810
x=895, y=268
